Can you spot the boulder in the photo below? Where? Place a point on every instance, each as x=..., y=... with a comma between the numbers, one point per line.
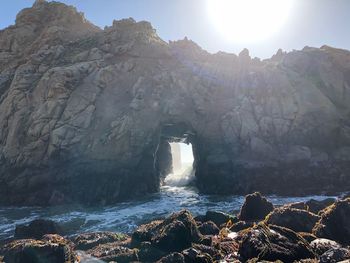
x=321, y=245
x=149, y=253
x=172, y=258
x=220, y=218
x=309, y=237
x=175, y=233
x=316, y=206
x=145, y=232
x=113, y=252
x=297, y=205
x=255, y=207
x=241, y=225
x=335, y=255
x=295, y=219
x=89, y=240
x=37, y=229
x=208, y=228
x=273, y=243
x=193, y=255
x=334, y=223
x=52, y=248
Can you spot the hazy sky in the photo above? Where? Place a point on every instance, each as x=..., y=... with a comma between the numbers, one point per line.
x=310, y=22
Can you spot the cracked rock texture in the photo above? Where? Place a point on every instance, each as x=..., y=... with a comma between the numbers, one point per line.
x=83, y=111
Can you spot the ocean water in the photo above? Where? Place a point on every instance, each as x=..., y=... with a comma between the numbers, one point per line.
x=124, y=217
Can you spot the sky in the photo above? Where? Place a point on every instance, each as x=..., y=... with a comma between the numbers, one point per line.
x=309, y=22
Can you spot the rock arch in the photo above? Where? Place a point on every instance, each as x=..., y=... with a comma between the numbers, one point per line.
x=82, y=111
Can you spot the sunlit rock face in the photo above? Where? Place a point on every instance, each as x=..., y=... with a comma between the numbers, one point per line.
x=82, y=112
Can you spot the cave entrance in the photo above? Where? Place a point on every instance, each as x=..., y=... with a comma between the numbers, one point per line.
x=175, y=157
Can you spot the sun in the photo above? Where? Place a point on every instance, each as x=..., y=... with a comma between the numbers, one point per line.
x=249, y=21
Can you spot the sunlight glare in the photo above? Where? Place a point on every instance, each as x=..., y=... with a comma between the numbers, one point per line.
x=248, y=21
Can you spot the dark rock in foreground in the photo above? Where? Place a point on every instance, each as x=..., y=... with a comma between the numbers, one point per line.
x=334, y=223
x=50, y=249
x=174, y=234
x=315, y=206
x=220, y=218
x=255, y=207
x=89, y=240
x=37, y=229
x=208, y=228
x=274, y=243
x=295, y=219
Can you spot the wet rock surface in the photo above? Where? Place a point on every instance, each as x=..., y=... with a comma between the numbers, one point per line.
x=84, y=110
x=172, y=235
x=296, y=219
x=52, y=248
x=37, y=229
x=89, y=240
x=255, y=207
x=274, y=243
x=334, y=223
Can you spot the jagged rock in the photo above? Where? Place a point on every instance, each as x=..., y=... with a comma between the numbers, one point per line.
x=298, y=205
x=113, y=252
x=37, y=229
x=220, y=218
x=241, y=225
x=149, y=253
x=89, y=240
x=52, y=248
x=335, y=255
x=334, y=223
x=322, y=245
x=309, y=237
x=273, y=243
x=83, y=111
x=174, y=234
x=255, y=207
x=193, y=255
x=295, y=219
x=315, y=206
x=208, y=228
x=172, y=258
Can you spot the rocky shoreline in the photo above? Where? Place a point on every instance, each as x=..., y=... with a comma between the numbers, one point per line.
x=312, y=231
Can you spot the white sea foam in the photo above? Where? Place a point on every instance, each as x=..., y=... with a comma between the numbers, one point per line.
x=180, y=178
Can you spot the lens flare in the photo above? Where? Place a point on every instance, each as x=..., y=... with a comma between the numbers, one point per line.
x=248, y=21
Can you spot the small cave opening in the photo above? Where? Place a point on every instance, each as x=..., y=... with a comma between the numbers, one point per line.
x=175, y=160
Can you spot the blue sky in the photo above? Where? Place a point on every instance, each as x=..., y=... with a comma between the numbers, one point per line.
x=311, y=22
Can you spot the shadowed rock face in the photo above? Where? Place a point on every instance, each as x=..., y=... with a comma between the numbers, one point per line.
x=83, y=110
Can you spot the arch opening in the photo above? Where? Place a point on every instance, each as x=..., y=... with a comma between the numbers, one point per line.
x=175, y=158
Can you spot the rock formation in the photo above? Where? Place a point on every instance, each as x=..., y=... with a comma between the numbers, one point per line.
x=83, y=111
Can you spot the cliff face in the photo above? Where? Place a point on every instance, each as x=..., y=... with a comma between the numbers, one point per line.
x=84, y=111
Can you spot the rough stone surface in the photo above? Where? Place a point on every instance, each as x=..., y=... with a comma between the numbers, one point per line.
x=220, y=218
x=83, y=110
x=273, y=243
x=111, y=252
x=175, y=233
x=172, y=258
x=315, y=206
x=335, y=255
x=295, y=219
x=255, y=207
x=322, y=245
x=37, y=229
x=89, y=240
x=334, y=223
x=208, y=228
x=52, y=248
